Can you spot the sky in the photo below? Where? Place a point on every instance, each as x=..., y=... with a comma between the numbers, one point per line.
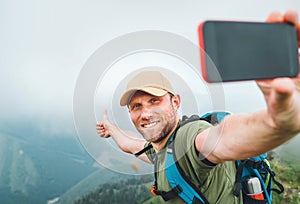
x=46, y=44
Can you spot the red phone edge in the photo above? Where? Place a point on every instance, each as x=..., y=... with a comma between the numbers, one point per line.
x=202, y=52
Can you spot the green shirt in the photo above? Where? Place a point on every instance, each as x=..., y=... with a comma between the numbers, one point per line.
x=215, y=182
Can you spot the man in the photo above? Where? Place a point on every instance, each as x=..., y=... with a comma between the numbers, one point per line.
x=153, y=106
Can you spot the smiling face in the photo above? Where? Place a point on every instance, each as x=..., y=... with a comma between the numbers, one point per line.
x=155, y=117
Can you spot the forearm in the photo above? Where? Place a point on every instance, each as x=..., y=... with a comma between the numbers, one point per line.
x=128, y=141
x=242, y=136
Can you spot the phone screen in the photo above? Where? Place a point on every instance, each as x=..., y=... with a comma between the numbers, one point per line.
x=235, y=51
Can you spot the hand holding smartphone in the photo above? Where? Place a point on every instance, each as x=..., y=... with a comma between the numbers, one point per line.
x=236, y=51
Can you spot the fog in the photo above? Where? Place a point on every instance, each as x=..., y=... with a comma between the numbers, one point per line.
x=45, y=45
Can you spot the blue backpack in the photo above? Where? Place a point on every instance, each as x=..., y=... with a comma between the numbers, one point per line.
x=254, y=177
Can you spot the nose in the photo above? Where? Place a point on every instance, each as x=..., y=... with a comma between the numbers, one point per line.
x=146, y=113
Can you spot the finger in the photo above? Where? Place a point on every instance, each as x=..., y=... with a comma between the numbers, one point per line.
x=280, y=98
x=291, y=17
x=102, y=133
x=283, y=85
x=99, y=128
x=274, y=17
x=105, y=117
x=99, y=125
x=264, y=86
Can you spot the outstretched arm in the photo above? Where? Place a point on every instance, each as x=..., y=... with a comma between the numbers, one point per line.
x=128, y=141
x=242, y=136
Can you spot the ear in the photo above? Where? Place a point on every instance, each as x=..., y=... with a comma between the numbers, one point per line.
x=176, y=101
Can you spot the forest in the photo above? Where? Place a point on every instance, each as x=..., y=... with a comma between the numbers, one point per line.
x=136, y=190
x=133, y=190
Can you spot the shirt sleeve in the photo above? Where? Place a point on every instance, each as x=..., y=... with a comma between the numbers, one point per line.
x=186, y=151
x=199, y=126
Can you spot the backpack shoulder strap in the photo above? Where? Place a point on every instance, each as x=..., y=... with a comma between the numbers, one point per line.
x=215, y=117
x=178, y=180
x=148, y=147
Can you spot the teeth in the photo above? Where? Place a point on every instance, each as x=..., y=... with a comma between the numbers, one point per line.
x=149, y=125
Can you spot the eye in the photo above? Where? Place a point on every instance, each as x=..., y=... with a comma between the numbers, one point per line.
x=154, y=100
x=135, y=106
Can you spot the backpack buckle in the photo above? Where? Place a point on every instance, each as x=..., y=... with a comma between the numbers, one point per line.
x=153, y=190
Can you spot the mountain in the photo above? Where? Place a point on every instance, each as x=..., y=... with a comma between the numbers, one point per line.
x=135, y=189
x=290, y=150
x=132, y=191
x=34, y=171
x=91, y=183
x=54, y=168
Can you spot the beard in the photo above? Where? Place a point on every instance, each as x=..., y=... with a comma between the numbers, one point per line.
x=165, y=124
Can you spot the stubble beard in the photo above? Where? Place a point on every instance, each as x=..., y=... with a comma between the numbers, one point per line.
x=167, y=123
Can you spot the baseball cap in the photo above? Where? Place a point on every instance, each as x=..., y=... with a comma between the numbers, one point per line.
x=151, y=82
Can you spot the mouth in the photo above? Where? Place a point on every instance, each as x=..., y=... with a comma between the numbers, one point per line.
x=150, y=124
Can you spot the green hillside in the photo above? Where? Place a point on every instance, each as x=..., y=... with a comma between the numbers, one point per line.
x=91, y=183
x=133, y=191
x=136, y=190
x=31, y=173
x=288, y=173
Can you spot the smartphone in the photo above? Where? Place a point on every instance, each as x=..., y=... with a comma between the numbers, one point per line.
x=237, y=51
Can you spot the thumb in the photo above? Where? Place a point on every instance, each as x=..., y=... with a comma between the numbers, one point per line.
x=105, y=117
x=284, y=85
x=281, y=94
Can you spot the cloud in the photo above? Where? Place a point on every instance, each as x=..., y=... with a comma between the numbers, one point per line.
x=45, y=44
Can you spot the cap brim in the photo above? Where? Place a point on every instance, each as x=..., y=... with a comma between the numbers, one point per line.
x=126, y=97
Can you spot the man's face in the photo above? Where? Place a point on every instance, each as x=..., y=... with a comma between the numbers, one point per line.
x=155, y=117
